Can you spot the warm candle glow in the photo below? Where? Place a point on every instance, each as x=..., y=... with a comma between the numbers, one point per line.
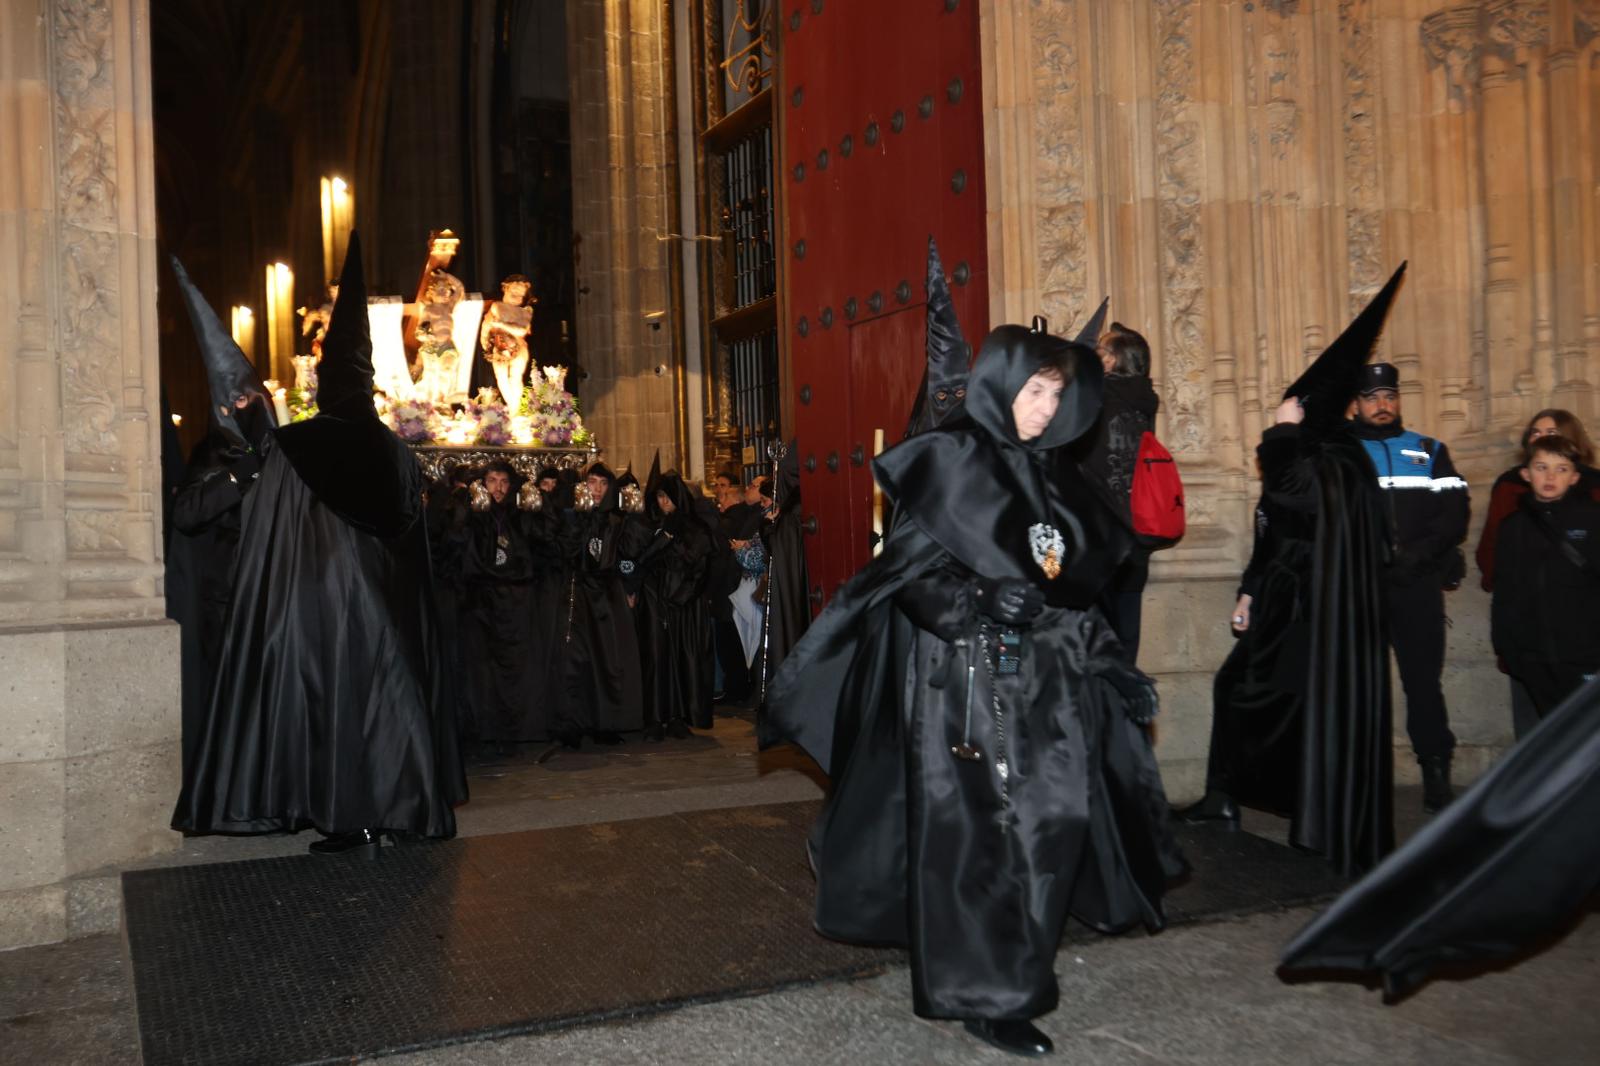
x=338, y=218
x=280, y=319
x=244, y=330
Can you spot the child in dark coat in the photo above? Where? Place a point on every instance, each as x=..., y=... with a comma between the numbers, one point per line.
x=1545, y=619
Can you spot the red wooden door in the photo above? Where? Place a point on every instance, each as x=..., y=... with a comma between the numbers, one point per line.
x=882, y=146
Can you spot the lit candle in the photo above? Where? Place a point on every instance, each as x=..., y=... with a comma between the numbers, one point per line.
x=280, y=404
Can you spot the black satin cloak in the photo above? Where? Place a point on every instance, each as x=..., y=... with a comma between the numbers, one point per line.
x=1502, y=869
x=976, y=873
x=506, y=655
x=1259, y=695
x=603, y=687
x=674, y=626
x=1344, y=807
x=788, y=606
x=329, y=708
x=199, y=575
x=908, y=850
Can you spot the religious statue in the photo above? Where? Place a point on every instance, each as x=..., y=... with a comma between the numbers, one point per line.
x=305, y=372
x=504, y=336
x=315, y=323
x=437, y=358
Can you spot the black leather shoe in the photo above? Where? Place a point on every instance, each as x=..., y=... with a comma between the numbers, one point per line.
x=570, y=741
x=654, y=732
x=1017, y=1037
x=607, y=738
x=679, y=729
x=1437, y=791
x=1214, y=806
x=364, y=842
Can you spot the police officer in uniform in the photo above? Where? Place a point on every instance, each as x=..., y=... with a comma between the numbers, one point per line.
x=1428, y=509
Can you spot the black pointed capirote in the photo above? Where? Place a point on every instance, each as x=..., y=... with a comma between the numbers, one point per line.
x=1332, y=380
x=1089, y=335
x=944, y=380
x=344, y=377
x=228, y=370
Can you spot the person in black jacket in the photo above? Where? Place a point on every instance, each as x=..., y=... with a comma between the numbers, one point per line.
x=1545, y=618
x=1129, y=413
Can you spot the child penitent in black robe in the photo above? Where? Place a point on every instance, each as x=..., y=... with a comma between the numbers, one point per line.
x=674, y=626
x=329, y=708
x=977, y=798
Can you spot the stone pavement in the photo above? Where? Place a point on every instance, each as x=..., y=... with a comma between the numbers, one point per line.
x=1197, y=995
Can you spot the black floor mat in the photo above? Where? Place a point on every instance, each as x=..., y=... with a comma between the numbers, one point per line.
x=315, y=959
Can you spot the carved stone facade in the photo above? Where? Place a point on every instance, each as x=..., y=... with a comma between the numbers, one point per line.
x=624, y=185
x=88, y=719
x=1238, y=178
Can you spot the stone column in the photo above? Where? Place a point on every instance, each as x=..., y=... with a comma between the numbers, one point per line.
x=621, y=181
x=89, y=760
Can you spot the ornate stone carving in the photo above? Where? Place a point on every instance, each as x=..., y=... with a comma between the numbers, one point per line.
x=1512, y=24
x=1185, y=378
x=1363, y=215
x=1058, y=177
x=85, y=116
x=88, y=306
x=89, y=315
x=1283, y=111
x=1450, y=40
x=95, y=533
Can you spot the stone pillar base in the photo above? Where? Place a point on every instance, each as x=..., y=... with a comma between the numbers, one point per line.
x=89, y=770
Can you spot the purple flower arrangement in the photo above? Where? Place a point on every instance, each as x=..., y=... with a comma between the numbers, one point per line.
x=548, y=418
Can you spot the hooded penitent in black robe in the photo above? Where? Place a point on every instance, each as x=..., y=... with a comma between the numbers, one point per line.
x=674, y=627
x=1302, y=713
x=504, y=553
x=788, y=608
x=199, y=573
x=329, y=708
x=975, y=864
x=1498, y=872
x=203, y=509
x=602, y=690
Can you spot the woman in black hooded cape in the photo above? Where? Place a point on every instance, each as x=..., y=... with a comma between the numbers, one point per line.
x=980, y=797
x=674, y=627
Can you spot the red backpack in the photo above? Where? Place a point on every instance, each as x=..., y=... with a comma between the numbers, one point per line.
x=1156, y=499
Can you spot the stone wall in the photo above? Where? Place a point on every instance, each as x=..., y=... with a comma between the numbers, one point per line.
x=88, y=664
x=1239, y=177
x=622, y=162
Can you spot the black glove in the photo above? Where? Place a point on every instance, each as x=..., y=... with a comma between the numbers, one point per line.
x=243, y=467
x=1009, y=600
x=1138, y=692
